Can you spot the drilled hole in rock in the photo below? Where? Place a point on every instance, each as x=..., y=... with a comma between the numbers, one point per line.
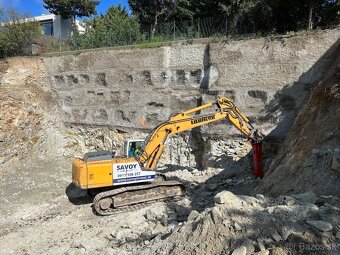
x=68, y=100
x=101, y=115
x=79, y=114
x=72, y=79
x=101, y=79
x=180, y=77
x=59, y=79
x=196, y=76
x=258, y=94
x=147, y=77
x=85, y=77
x=156, y=104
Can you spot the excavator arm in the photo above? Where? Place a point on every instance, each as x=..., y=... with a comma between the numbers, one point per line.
x=224, y=109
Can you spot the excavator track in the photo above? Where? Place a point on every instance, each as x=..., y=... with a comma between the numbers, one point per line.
x=131, y=198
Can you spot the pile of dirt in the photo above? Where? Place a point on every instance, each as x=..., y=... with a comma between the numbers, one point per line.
x=309, y=158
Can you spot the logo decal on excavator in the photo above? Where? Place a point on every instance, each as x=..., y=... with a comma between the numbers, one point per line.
x=126, y=167
x=202, y=119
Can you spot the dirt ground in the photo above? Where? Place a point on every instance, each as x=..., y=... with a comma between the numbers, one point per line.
x=43, y=214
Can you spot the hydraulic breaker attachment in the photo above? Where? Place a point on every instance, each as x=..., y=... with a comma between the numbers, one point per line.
x=257, y=159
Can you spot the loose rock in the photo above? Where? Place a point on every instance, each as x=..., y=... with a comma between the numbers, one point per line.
x=307, y=197
x=338, y=235
x=261, y=245
x=195, y=171
x=249, y=246
x=336, y=163
x=193, y=215
x=149, y=215
x=227, y=197
x=216, y=216
x=159, y=228
x=276, y=237
x=289, y=201
x=240, y=251
x=265, y=252
x=260, y=196
x=320, y=225
x=237, y=226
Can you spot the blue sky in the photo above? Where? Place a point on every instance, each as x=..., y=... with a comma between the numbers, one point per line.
x=35, y=7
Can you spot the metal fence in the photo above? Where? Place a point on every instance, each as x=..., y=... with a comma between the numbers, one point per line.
x=163, y=32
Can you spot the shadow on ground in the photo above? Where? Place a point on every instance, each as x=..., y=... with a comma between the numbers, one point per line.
x=77, y=196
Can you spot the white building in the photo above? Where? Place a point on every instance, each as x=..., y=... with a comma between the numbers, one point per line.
x=55, y=25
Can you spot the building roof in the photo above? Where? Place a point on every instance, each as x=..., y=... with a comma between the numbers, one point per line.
x=44, y=17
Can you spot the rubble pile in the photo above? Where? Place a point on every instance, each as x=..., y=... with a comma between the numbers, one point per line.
x=253, y=225
x=235, y=224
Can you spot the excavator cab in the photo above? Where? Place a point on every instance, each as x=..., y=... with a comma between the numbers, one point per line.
x=132, y=147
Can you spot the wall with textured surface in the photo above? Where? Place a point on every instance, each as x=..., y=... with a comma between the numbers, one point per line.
x=269, y=78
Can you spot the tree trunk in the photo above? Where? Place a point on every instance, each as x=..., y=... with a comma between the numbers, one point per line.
x=154, y=25
x=310, y=15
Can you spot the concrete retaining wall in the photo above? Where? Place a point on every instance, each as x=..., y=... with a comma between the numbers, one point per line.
x=269, y=78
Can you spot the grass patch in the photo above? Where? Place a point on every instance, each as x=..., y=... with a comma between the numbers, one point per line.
x=150, y=45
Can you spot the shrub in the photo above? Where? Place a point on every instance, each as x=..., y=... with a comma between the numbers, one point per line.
x=17, y=33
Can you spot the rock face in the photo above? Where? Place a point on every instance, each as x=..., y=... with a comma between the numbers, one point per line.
x=100, y=95
x=111, y=88
x=106, y=96
x=26, y=121
x=305, y=159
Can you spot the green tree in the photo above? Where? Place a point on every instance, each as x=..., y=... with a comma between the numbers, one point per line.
x=17, y=33
x=201, y=8
x=72, y=8
x=156, y=11
x=241, y=14
x=290, y=15
x=115, y=27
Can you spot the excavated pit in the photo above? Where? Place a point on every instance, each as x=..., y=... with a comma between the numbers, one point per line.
x=53, y=108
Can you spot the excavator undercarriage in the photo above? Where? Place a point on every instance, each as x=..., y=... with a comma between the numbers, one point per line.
x=137, y=196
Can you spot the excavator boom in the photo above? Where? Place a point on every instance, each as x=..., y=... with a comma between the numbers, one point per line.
x=225, y=109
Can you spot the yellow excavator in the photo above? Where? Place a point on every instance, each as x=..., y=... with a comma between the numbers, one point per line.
x=130, y=182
